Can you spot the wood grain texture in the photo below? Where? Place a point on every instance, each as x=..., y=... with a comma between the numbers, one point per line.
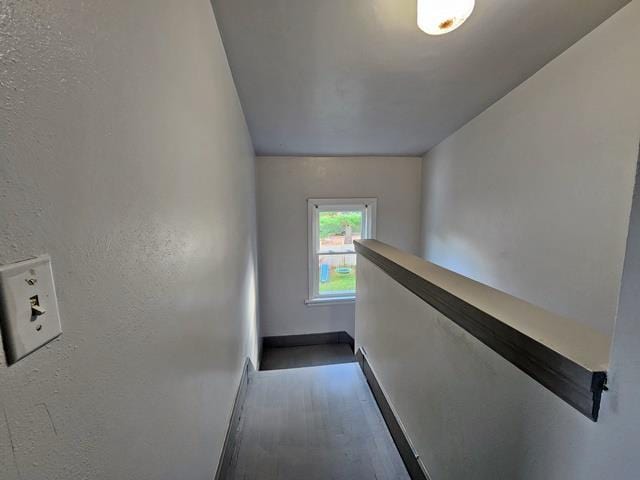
x=306, y=356
x=324, y=338
x=314, y=423
x=573, y=382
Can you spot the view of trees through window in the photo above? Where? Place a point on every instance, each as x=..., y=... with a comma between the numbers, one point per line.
x=337, y=231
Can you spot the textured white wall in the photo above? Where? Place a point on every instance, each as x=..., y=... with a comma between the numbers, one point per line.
x=125, y=155
x=470, y=414
x=284, y=184
x=619, y=440
x=532, y=196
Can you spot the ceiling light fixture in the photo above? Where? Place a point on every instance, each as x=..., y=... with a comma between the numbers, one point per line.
x=437, y=17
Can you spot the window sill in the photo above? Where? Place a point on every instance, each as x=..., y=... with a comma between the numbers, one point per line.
x=318, y=302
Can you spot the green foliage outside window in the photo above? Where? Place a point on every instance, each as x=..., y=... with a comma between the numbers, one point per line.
x=334, y=223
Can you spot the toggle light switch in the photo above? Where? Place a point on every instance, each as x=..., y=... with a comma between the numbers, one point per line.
x=36, y=309
x=29, y=315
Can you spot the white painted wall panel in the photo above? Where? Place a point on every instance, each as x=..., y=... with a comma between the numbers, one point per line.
x=125, y=155
x=532, y=196
x=471, y=414
x=468, y=412
x=284, y=184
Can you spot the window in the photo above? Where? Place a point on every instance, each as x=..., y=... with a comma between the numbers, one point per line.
x=333, y=226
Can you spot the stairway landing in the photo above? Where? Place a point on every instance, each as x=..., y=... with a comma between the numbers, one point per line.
x=313, y=423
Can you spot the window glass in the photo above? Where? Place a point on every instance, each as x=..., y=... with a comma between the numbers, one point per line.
x=334, y=225
x=337, y=274
x=337, y=230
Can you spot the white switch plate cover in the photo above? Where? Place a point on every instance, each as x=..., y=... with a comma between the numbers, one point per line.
x=23, y=332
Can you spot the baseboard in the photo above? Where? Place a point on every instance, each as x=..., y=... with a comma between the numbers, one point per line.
x=229, y=446
x=308, y=339
x=400, y=438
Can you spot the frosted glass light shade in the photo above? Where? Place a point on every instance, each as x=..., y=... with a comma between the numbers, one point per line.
x=437, y=17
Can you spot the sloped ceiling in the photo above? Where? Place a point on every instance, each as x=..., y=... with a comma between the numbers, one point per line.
x=357, y=77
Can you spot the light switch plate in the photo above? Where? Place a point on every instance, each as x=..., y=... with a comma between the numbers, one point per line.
x=29, y=315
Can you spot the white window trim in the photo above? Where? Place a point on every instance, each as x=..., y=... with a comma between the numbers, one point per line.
x=315, y=206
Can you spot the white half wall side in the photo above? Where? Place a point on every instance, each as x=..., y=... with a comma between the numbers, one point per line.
x=284, y=184
x=619, y=441
x=472, y=414
x=125, y=155
x=469, y=413
x=532, y=196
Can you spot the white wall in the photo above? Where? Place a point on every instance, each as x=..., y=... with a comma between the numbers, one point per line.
x=125, y=155
x=532, y=196
x=619, y=440
x=470, y=414
x=284, y=184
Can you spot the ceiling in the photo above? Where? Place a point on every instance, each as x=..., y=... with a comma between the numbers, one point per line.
x=357, y=77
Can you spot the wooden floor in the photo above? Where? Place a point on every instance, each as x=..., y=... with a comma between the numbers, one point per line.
x=309, y=356
x=313, y=423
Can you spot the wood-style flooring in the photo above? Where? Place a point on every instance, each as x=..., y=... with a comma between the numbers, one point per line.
x=276, y=358
x=313, y=423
